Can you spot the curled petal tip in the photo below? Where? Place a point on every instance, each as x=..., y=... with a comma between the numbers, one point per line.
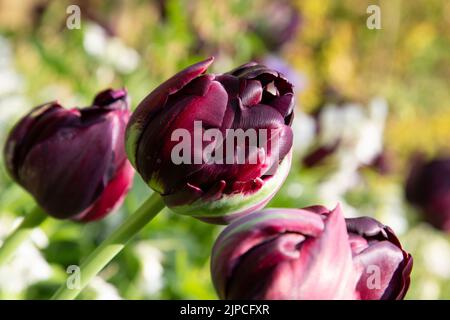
x=202, y=66
x=109, y=96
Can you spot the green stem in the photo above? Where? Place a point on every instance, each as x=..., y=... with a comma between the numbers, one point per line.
x=110, y=247
x=18, y=236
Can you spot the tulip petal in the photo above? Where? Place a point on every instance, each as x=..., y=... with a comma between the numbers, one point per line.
x=156, y=100
x=209, y=109
x=251, y=92
x=284, y=104
x=109, y=97
x=112, y=196
x=255, y=278
x=62, y=192
x=230, y=83
x=18, y=141
x=250, y=231
x=380, y=278
x=240, y=69
x=381, y=258
x=331, y=248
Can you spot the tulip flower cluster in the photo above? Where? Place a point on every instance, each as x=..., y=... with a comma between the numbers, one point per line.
x=309, y=253
x=428, y=188
x=74, y=163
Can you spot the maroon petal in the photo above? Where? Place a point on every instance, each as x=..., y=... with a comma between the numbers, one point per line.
x=58, y=186
x=112, y=196
x=251, y=92
x=379, y=264
x=109, y=97
x=284, y=104
x=237, y=71
x=230, y=83
x=385, y=266
x=158, y=97
x=252, y=230
x=331, y=248
x=267, y=270
x=285, y=254
x=19, y=141
x=209, y=109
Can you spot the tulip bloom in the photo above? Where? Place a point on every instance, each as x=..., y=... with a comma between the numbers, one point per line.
x=73, y=161
x=207, y=180
x=310, y=253
x=285, y=254
x=428, y=188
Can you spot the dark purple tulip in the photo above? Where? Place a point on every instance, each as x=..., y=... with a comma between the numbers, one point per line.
x=285, y=254
x=73, y=161
x=318, y=155
x=309, y=253
x=251, y=97
x=382, y=163
x=428, y=188
x=385, y=266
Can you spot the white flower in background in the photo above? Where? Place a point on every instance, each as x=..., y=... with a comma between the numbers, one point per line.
x=12, y=106
x=151, y=278
x=392, y=211
x=5, y=52
x=337, y=184
x=359, y=131
x=354, y=136
x=104, y=290
x=110, y=50
x=27, y=266
x=95, y=40
x=429, y=290
x=10, y=81
x=295, y=190
x=12, y=100
x=304, y=129
x=436, y=254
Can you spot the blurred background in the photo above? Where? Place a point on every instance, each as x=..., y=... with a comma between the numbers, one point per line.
x=368, y=100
